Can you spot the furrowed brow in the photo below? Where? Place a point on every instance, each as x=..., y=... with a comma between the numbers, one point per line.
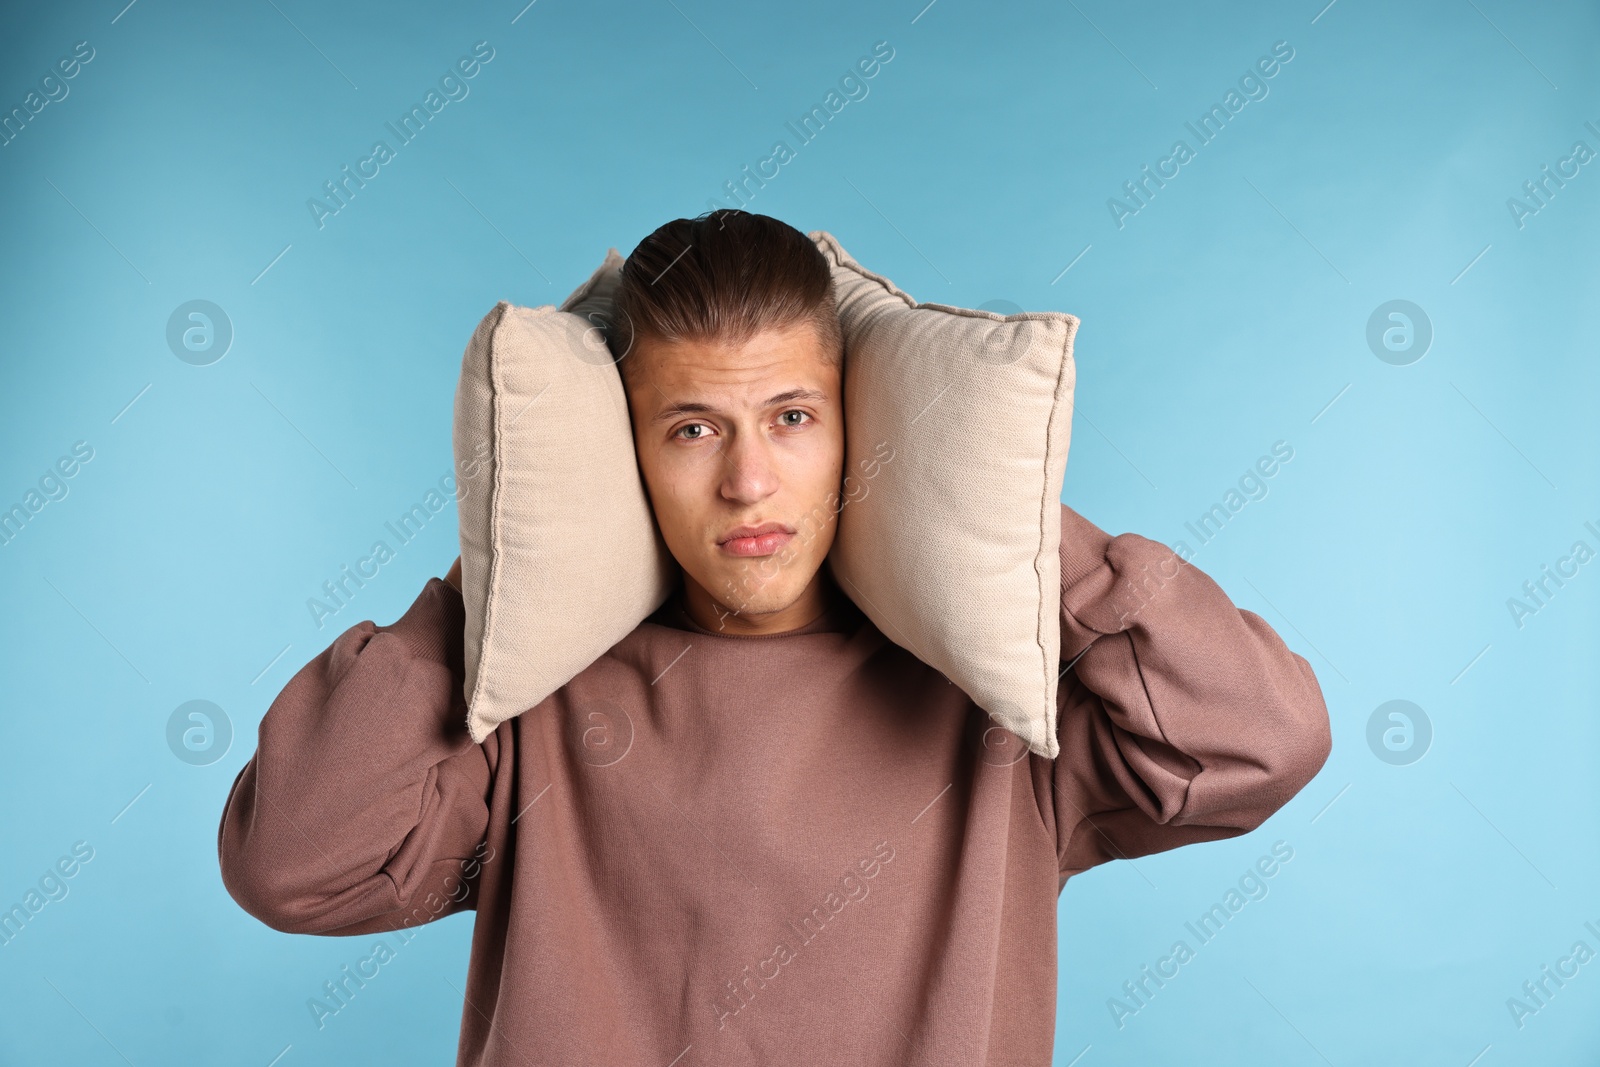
x=690, y=407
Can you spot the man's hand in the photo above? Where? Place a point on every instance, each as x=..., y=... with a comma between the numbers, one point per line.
x=454, y=577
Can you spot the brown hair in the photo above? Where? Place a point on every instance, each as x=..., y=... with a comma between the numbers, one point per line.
x=725, y=275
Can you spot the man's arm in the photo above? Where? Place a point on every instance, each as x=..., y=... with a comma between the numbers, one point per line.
x=365, y=806
x=1184, y=718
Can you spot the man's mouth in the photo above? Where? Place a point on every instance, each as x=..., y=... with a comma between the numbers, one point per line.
x=759, y=540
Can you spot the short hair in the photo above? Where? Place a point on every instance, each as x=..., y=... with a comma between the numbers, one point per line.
x=723, y=276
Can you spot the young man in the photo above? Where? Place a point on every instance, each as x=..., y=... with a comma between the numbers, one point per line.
x=755, y=831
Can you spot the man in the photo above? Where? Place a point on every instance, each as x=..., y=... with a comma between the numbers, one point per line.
x=755, y=831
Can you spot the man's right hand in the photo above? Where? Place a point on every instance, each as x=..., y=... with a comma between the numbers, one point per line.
x=454, y=577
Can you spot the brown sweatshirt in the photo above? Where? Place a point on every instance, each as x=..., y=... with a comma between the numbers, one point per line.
x=801, y=848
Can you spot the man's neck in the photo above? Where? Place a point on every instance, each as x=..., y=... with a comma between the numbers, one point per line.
x=818, y=597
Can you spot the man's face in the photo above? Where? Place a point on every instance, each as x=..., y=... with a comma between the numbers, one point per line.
x=742, y=436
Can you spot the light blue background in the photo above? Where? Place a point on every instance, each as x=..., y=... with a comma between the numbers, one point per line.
x=1228, y=314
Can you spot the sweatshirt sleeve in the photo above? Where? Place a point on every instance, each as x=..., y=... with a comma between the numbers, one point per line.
x=1184, y=718
x=366, y=803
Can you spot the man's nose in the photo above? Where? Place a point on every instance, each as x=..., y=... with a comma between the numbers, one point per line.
x=748, y=471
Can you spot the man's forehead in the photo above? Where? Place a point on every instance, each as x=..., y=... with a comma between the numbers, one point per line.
x=795, y=342
x=768, y=369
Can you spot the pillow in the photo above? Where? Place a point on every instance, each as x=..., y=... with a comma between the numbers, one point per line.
x=957, y=423
x=548, y=586
x=957, y=428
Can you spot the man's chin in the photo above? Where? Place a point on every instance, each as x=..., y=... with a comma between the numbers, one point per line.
x=751, y=601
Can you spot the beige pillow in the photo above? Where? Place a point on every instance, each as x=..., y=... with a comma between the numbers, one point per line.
x=560, y=557
x=957, y=427
x=952, y=547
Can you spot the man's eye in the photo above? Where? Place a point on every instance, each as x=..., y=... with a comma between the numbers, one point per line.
x=691, y=426
x=795, y=411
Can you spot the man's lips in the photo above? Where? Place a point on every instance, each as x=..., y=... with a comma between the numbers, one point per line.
x=762, y=540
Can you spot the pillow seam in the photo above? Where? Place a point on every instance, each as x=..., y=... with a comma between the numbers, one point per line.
x=1044, y=510
x=496, y=492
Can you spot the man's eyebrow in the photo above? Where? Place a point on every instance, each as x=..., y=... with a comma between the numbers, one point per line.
x=690, y=407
